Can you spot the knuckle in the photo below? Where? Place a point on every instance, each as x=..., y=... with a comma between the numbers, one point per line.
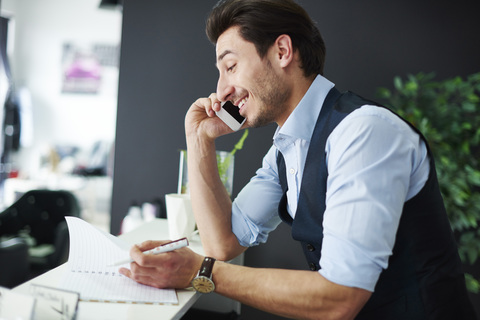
x=142, y=260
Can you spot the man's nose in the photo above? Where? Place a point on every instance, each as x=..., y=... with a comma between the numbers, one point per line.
x=224, y=89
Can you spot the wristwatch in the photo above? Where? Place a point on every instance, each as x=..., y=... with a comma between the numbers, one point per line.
x=203, y=282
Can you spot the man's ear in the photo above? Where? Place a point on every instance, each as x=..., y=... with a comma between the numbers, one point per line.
x=284, y=50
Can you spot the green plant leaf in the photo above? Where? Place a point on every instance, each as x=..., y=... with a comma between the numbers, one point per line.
x=473, y=284
x=397, y=81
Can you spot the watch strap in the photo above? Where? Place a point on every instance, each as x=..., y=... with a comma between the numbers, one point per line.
x=207, y=267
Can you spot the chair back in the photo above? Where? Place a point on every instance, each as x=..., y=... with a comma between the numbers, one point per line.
x=14, y=265
x=40, y=211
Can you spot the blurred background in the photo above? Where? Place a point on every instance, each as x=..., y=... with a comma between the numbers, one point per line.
x=62, y=64
x=103, y=92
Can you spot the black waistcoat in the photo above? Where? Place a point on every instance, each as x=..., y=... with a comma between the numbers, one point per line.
x=424, y=278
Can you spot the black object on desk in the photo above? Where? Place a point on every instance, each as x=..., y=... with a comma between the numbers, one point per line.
x=39, y=217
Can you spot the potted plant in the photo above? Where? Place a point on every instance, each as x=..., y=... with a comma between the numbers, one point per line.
x=225, y=163
x=448, y=114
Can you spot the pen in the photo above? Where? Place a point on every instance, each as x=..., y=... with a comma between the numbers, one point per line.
x=167, y=247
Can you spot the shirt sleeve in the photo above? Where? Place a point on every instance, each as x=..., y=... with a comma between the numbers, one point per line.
x=371, y=157
x=255, y=209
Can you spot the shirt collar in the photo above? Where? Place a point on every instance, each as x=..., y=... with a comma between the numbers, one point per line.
x=301, y=122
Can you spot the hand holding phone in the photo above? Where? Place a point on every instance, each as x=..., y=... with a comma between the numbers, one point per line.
x=230, y=114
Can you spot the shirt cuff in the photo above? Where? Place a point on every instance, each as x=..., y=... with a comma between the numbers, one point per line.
x=354, y=270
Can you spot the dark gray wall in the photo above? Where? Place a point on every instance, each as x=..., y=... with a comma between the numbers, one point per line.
x=167, y=62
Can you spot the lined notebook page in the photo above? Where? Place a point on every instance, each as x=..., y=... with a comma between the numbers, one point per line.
x=91, y=250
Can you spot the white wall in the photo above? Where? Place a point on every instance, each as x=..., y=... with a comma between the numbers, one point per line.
x=41, y=28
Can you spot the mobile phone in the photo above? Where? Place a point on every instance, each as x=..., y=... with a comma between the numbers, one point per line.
x=230, y=114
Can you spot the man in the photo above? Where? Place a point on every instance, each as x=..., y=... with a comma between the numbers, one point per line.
x=356, y=183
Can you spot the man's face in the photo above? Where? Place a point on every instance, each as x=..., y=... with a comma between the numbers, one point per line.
x=250, y=82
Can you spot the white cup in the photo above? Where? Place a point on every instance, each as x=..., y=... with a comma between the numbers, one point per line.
x=181, y=222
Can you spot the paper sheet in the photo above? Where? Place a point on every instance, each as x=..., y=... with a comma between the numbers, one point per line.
x=91, y=250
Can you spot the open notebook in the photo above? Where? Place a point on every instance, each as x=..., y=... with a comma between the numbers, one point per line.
x=88, y=273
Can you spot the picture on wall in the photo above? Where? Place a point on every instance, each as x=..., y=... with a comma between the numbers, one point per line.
x=84, y=67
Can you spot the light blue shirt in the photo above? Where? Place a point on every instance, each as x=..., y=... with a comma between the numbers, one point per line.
x=375, y=162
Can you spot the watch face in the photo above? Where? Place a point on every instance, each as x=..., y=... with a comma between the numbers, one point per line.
x=203, y=284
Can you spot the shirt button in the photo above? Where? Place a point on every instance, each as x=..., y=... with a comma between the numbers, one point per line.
x=292, y=171
x=310, y=247
x=312, y=266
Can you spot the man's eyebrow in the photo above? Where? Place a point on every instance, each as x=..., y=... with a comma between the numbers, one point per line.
x=224, y=53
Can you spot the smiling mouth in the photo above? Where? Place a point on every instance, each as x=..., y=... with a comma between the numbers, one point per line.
x=242, y=103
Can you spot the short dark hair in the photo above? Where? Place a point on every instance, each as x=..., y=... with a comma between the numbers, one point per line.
x=262, y=21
